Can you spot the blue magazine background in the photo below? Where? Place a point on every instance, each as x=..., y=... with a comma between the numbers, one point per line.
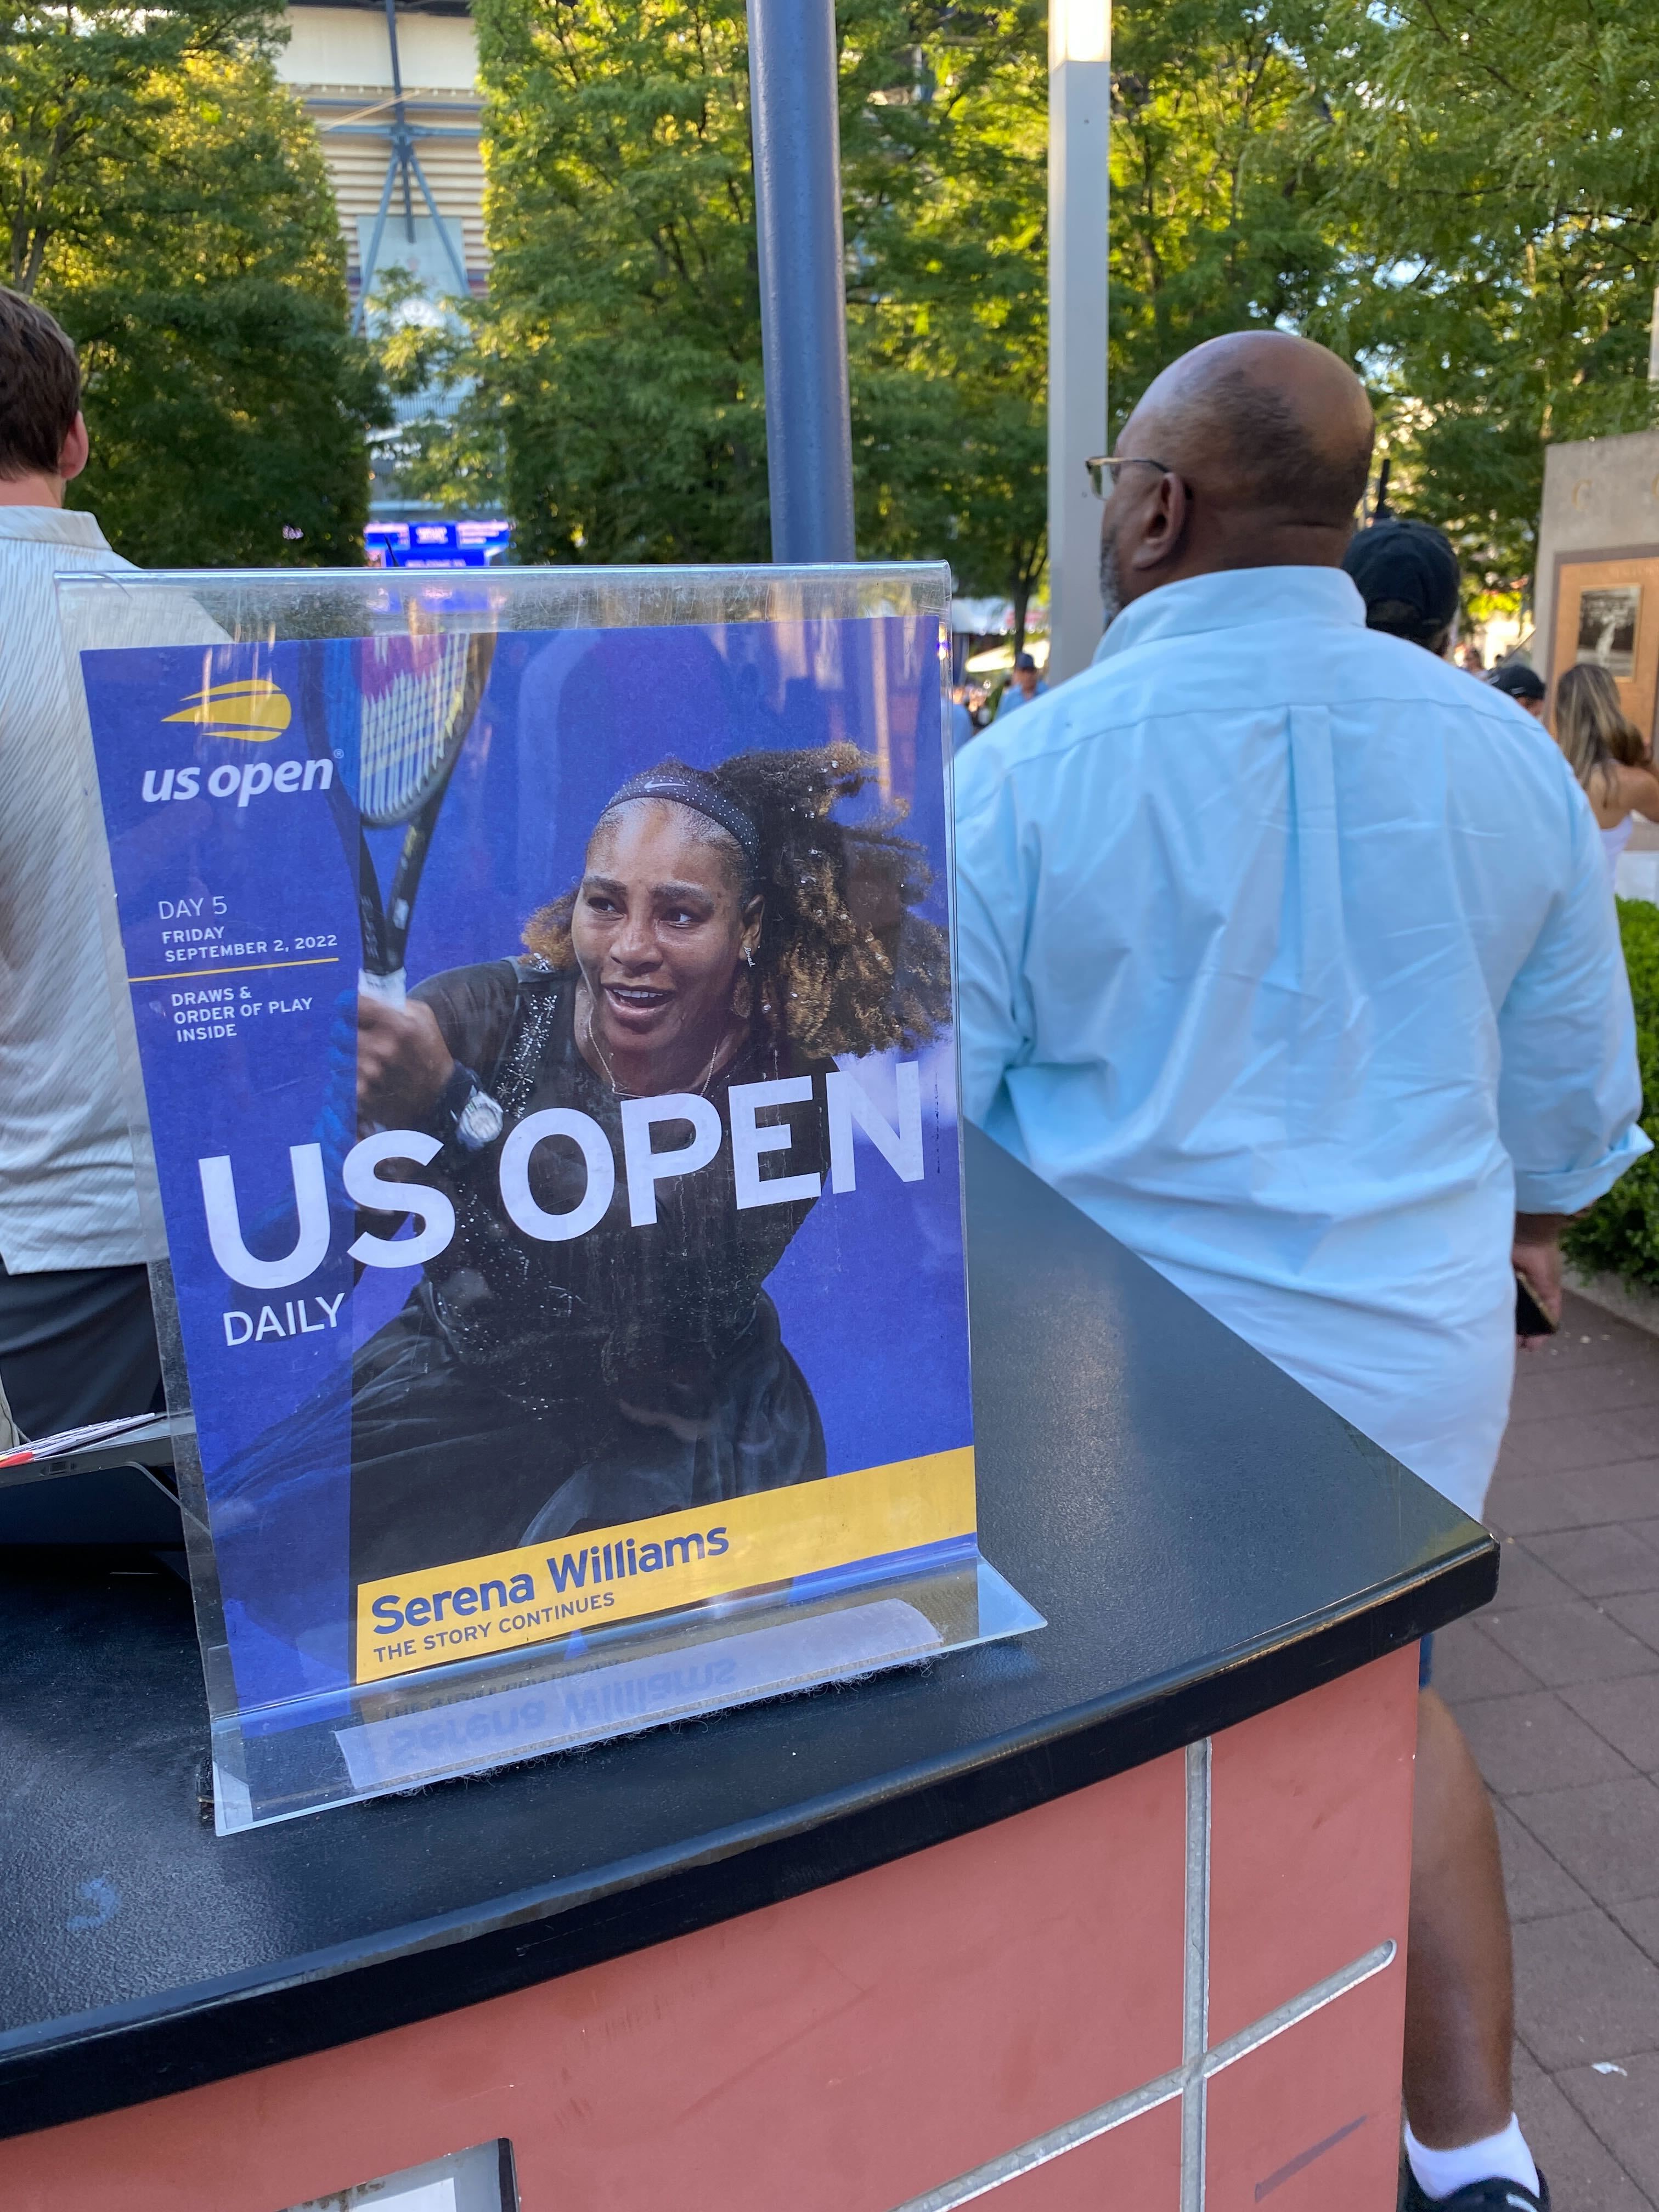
x=870, y=1293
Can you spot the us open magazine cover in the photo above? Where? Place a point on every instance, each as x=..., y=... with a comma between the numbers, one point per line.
x=547, y=1046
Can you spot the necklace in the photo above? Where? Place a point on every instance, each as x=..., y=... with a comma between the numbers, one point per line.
x=617, y=1090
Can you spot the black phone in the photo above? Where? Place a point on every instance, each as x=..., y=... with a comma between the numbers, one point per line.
x=1530, y=1318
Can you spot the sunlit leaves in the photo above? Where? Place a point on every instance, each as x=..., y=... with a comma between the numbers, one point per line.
x=165, y=198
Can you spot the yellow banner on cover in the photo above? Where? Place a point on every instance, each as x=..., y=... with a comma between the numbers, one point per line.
x=540, y=1591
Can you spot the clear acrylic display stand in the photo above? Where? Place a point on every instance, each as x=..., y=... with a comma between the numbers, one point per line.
x=201, y=666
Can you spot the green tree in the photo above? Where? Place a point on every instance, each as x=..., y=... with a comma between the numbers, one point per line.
x=1220, y=217
x=945, y=186
x=617, y=358
x=1492, y=174
x=166, y=199
x=618, y=390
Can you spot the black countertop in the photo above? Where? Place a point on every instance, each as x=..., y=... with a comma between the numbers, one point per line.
x=1205, y=1538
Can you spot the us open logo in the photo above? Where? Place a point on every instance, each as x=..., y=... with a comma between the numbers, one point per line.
x=252, y=711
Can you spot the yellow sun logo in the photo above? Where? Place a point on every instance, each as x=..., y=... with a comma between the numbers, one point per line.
x=255, y=710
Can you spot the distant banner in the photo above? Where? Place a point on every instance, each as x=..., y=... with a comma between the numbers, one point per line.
x=547, y=1044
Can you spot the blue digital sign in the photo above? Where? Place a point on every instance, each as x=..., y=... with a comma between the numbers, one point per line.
x=465, y=545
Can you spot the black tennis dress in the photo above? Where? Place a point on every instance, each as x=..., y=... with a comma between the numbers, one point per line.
x=528, y=1389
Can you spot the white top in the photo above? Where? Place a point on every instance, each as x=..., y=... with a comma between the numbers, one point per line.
x=1288, y=954
x=67, y=1198
x=1614, y=840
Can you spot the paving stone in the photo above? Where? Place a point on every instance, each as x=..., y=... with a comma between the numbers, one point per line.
x=1572, y=1643
x=1602, y=1562
x=1626, y=1713
x=1523, y=1579
x=1587, y=1339
x=1639, y=1614
x=1583, y=2174
x=1623, y=2108
x=1533, y=1884
x=1535, y=1743
x=1583, y=1991
x=1526, y=1501
x=1640, y=1921
x=1539, y=1675
x=1605, y=1833
x=1546, y=1387
x=1468, y=1664
x=1546, y=1446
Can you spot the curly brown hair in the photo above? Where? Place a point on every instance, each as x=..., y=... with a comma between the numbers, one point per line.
x=844, y=965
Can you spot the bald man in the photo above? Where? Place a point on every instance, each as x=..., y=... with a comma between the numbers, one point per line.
x=1287, y=954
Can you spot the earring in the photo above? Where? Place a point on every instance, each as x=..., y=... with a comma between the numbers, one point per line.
x=748, y=958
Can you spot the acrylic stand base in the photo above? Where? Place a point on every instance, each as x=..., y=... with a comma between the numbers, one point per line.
x=458, y=1720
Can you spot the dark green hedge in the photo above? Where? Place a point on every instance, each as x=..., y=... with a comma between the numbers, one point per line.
x=1620, y=1233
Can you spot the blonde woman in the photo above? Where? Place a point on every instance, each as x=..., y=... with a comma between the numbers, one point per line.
x=1609, y=755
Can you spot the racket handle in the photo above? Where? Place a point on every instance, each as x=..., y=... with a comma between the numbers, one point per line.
x=388, y=989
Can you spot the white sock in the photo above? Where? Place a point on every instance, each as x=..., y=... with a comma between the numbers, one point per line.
x=1502, y=2157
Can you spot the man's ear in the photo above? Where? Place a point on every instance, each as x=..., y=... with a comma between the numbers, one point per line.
x=1162, y=532
x=73, y=457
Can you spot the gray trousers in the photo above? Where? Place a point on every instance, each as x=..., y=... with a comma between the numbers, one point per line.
x=78, y=1345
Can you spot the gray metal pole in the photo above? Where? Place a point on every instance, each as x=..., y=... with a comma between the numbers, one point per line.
x=796, y=140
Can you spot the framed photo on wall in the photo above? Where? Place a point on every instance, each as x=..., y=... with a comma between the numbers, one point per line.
x=1608, y=619
x=1607, y=611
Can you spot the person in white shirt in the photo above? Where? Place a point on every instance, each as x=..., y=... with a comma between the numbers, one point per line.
x=1287, y=954
x=77, y=1342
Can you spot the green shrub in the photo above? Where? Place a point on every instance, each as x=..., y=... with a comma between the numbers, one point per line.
x=1620, y=1235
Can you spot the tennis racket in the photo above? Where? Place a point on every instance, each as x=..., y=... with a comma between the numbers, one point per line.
x=392, y=714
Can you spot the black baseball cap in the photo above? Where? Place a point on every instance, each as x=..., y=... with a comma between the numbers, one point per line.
x=1518, y=680
x=1408, y=577
x=1026, y=660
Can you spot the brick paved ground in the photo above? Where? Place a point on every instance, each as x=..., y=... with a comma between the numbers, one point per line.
x=1557, y=1685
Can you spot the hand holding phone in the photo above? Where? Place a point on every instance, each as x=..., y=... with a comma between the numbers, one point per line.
x=1530, y=1318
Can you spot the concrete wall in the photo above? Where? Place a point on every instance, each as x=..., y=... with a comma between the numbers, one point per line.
x=1601, y=495
x=339, y=61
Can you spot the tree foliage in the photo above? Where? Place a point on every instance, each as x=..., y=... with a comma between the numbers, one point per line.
x=617, y=393
x=1460, y=194
x=166, y=199
x=944, y=186
x=618, y=357
x=1492, y=171
x=1220, y=214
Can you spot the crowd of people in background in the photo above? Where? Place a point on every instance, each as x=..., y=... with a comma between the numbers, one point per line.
x=1409, y=576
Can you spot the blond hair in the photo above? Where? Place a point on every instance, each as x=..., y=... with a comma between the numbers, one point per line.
x=1593, y=730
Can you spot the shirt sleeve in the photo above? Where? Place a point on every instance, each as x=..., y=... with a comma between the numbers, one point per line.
x=1569, y=1091
x=992, y=920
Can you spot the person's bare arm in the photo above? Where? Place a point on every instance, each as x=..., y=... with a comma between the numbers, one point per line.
x=1638, y=789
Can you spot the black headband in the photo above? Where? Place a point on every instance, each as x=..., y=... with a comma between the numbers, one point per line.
x=689, y=786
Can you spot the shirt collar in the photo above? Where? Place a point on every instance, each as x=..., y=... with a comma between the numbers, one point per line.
x=53, y=526
x=1233, y=598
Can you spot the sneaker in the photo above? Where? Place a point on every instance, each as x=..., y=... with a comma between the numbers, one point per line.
x=1478, y=2196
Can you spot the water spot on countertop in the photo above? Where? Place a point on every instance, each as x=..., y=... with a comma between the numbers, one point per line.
x=105, y=1901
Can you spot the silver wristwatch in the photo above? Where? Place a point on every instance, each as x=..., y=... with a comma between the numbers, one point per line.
x=479, y=1121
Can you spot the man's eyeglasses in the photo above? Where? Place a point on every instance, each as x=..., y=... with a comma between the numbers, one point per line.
x=1104, y=470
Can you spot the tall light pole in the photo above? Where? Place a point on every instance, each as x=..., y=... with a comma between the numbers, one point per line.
x=795, y=126
x=1079, y=121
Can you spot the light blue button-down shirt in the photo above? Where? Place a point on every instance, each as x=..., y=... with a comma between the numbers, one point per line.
x=1288, y=953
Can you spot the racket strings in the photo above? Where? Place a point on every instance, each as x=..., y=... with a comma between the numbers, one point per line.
x=412, y=694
